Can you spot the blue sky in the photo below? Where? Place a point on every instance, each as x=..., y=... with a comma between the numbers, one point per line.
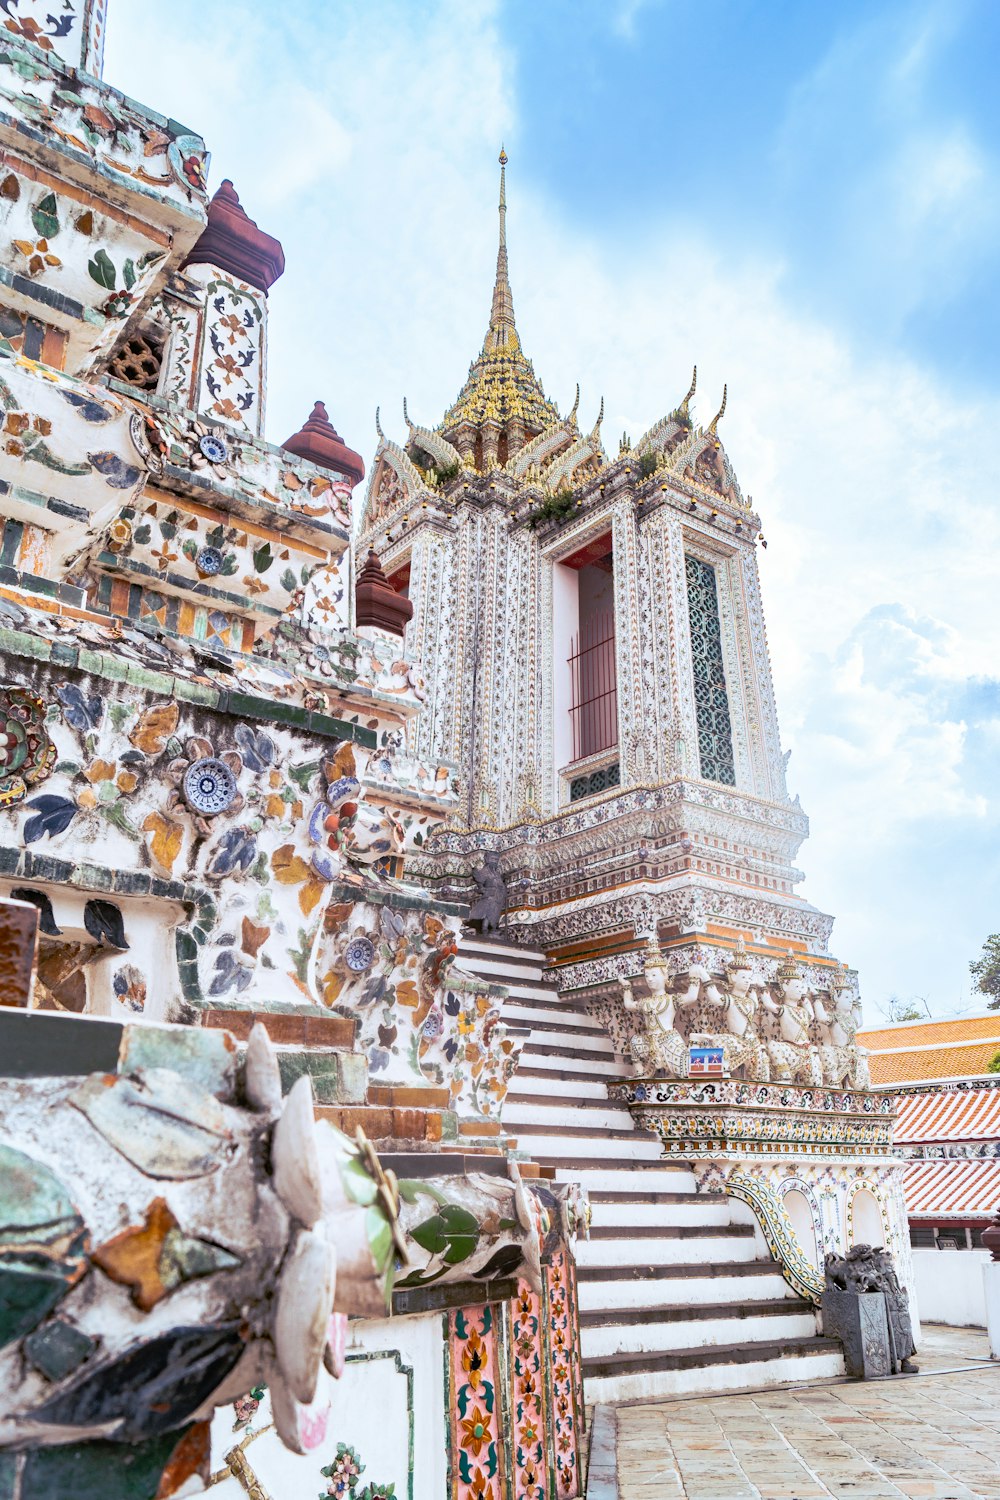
x=803, y=198
x=854, y=143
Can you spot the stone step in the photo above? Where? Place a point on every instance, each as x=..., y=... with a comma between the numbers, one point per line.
x=536, y=1063
x=558, y=1018
x=671, y=1231
x=631, y=1177
x=672, y=1245
x=548, y=1029
x=541, y=1084
x=494, y=944
x=661, y=1330
x=538, y=997
x=681, y=1209
x=571, y=1113
x=632, y=1197
x=585, y=1150
x=546, y=1038
x=732, y=1367
x=498, y=967
x=585, y=1129
x=636, y=1288
x=579, y=1048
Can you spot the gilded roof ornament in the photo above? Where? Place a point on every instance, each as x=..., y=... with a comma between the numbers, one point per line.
x=502, y=383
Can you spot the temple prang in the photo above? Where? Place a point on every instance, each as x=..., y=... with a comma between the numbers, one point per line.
x=377, y=908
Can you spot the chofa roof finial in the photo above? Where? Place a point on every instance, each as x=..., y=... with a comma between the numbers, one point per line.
x=576, y=404
x=595, y=435
x=685, y=405
x=714, y=424
x=378, y=425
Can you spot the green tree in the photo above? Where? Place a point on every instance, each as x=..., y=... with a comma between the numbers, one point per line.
x=993, y=1066
x=898, y=1009
x=985, y=971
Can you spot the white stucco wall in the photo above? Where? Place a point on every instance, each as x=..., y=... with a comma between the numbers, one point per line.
x=949, y=1285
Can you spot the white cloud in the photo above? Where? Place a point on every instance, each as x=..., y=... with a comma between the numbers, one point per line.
x=368, y=146
x=625, y=15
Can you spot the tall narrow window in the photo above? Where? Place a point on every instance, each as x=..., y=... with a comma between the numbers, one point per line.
x=594, y=701
x=715, y=736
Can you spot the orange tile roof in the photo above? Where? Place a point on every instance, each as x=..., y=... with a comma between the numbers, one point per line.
x=930, y=1033
x=936, y=1062
x=913, y=1051
x=946, y=1112
x=952, y=1189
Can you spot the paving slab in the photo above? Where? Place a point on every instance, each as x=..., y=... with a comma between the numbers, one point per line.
x=932, y=1436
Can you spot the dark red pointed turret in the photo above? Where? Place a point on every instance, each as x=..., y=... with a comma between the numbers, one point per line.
x=321, y=444
x=376, y=601
x=233, y=242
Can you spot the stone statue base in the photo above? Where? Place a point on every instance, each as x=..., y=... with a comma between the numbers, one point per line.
x=861, y=1325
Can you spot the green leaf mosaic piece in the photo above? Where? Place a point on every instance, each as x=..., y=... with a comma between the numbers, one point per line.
x=45, y=217
x=42, y=1239
x=452, y=1232
x=303, y=775
x=102, y=271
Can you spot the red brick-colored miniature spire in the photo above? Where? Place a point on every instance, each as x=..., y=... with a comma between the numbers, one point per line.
x=376, y=601
x=232, y=241
x=321, y=444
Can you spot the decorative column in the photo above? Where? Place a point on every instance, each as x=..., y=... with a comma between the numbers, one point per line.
x=327, y=599
x=991, y=1284
x=235, y=264
x=627, y=644
x=431, y=634
x=491, y=440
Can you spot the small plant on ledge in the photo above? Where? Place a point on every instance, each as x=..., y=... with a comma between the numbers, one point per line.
x=442, y=474
x=554, y=507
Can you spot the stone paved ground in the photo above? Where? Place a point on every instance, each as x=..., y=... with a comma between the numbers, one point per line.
x=935, y=1436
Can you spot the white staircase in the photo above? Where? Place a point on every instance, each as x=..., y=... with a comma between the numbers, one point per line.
x=678, y=1294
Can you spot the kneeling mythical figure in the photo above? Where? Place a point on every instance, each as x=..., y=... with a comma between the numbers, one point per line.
x=844, y=1063
x=738, y=1000
x=658, y=1047
x=793, y=1056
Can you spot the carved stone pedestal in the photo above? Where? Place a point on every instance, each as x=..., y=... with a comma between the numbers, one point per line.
x=861, y=1325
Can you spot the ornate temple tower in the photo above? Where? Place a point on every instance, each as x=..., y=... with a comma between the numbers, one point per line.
x=593, y=635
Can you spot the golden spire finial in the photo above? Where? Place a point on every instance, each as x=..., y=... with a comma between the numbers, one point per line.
x=502, y=332
x=502, y=387
x=714, y=424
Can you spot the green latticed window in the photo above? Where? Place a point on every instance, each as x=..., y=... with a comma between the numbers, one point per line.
x=597, y=781
x=715, y=734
